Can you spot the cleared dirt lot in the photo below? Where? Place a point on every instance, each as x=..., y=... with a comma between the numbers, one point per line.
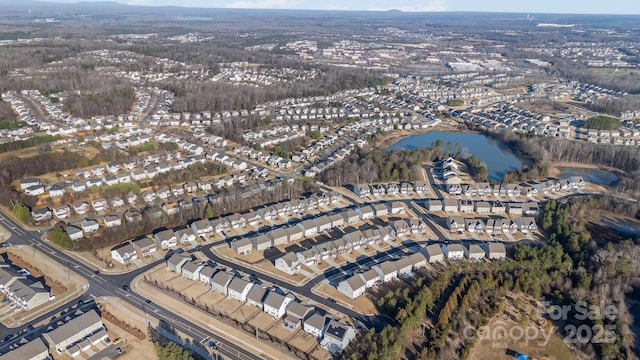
x=361, y=304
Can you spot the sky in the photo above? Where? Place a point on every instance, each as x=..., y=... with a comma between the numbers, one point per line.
x=522, y=6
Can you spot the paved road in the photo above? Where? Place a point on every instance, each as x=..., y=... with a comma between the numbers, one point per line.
x=111, y=285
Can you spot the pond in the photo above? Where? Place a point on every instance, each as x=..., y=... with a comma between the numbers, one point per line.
x=597, y=176
x=498, y=157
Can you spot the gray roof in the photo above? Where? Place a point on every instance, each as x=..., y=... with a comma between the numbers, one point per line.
x=165, y=235
x=404, y=262
x=278, y=233
x=496, y=248
x=387, y=267
x=222, y=278
x=433, y=250
x=26, y=351
x=355, y=282
x=274, y=299
x=455, y=247
x=238, y=285
x=316, y=320
x=144, y=242
x=72, y=327
x=256, y=294
x=176, y=259
x=208, y=271
x=191, y=266
x=370, y=275
x=475, y=249
x=298, y=310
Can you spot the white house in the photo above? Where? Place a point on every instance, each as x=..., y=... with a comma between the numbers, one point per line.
x=166, y=239
x=453, y=251
x=124, y=253
x=352, y=287
x=239, y=289
x=276, y=304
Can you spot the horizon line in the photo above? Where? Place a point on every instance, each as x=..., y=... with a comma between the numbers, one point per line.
x=394, y=10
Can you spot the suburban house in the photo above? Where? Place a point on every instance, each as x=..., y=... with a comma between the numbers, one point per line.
x=56, y=191
x=124, y=253
x=495, y=251
x=295, y=233
x=191, y=269
x=75, y=233
x=366, y=212
x=450, y=205
x=381, y=210
x=166, y=239
x=185, y=236
x=278, y=236
x=309, y=257
x=352, y=287
x=276, y=304
x=28, y=182
x=145, y=246
x=242, y=246
x=527, y=224
x=296, y=313
x=78, y=187
x=361, y=190
x=112, y=220
x=474, y=252
x=202, y=227
x=206, y=274
x=474, y=225
x=337, y=336
x=514, y=208
x=433, y=205
x=239, y=288
x=433, y=253
x=41, y=214
x=453, y=251
x=220, y=282
x=89, y=225
x=351, y=216
x=482, y=207
x=256, y=296
x=176, y=261
x=309, y=227
x=288, y=263
x=397, y=207
x=419, y=260
x=404, y=265
x=61, y=212
x=371, y=278
x=260, y=242
x=456, y=223
x=465, y=206
x=315, y=325
x=387, y=270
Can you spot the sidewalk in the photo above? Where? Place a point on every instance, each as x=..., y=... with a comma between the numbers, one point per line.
x=207, y=321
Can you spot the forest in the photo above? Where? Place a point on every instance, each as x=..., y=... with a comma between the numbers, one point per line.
x=430, y=312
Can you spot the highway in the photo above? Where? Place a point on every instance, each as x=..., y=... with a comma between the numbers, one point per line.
x=111, y=285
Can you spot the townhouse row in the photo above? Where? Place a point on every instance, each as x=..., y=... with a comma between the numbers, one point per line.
x=482, y=207
x=383, y=272
x=313, y=226
x=332, y=334
x=392, y=189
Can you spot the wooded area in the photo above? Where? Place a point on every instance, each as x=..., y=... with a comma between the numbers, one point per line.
x=430, y=313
